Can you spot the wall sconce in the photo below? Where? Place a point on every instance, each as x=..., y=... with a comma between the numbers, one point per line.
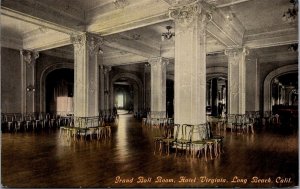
x=30, y=88
x=100, y=50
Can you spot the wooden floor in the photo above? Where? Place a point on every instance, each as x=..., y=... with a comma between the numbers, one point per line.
x=43, y=159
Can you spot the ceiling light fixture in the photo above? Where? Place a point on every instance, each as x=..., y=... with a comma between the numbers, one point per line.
x=293, y=47
x=291, y=14
x=168, y=35
x=120, y=4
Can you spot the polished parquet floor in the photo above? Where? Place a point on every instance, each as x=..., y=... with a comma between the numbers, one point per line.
x=42, y=159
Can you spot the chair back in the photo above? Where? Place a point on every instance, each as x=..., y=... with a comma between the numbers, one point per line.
x=239, y=119
x=230, y=118
x=185, y=132
x=200, y=132
x=176, y=130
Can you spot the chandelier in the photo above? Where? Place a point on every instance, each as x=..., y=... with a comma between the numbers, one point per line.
x=293, y=47
x=290, y=15
x=120, y=4
x=168, y=35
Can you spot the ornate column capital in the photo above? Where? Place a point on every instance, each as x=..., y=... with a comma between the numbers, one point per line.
x=107, y=69
x=158, y=60
x=233, y=52
x=92, y=41
x=29, y=57
x=185, y=12
x=94, y=44
x=78, y=42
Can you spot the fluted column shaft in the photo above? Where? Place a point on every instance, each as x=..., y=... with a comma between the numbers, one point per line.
x=28, y=60
x=86, y=74
x=236, y=80
x=190, y=63
x=158, y=86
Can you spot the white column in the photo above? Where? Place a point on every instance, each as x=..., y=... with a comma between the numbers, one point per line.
x=108, y=95
x=102, y=89
x=147, y=86
x=86, y=74
x=28, y=59
x=252, y=84
x=158, y=86
x=190, y=63
x=236, y=80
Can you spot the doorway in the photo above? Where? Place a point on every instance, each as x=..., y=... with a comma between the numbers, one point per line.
x=59, y=91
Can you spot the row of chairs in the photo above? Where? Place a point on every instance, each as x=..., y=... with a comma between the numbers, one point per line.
x=193, y=140
x=14, y=122
x=242, y=123
x=86, y=127
x=266, y=118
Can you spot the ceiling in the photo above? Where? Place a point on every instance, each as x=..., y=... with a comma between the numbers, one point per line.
x=132, y=31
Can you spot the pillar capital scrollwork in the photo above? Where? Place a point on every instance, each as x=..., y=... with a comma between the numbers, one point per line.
x=158, y=60
x=29, y=57
x=185, y=12
x=233, y=52
x=107, y=69
x=78, y=42
x=93, y=42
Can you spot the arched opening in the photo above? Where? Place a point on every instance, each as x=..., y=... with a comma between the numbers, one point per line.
x=216, y=96
x=124, y=98
x=59, y=91
x=284, y=96
x=267, y=98
x=132, y=88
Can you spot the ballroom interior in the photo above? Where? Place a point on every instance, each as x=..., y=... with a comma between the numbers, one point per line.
x=149, y=93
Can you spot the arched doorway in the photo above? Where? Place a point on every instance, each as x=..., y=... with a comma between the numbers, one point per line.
x=269, y=80
x=127, y=92
x=59, y=92
x=124, y=90
x=284, y=95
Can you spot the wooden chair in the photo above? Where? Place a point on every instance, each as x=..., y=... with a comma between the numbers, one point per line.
x=198, y=143
x=184, y=138
x=249, y=123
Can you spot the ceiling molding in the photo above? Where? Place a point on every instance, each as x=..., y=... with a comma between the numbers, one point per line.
x=124, y=60
x=226, y=3
x=36, y=16
x=132, y=46
x=46, y=40
x=64, y=9
x=229, y=33
x=270, y=39
x=33, y=20
x=128, y=18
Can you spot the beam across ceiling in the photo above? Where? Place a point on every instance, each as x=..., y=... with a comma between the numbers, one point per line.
x=118, y=41
x=137, y=14
x=36, y=13
x=271, y=37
